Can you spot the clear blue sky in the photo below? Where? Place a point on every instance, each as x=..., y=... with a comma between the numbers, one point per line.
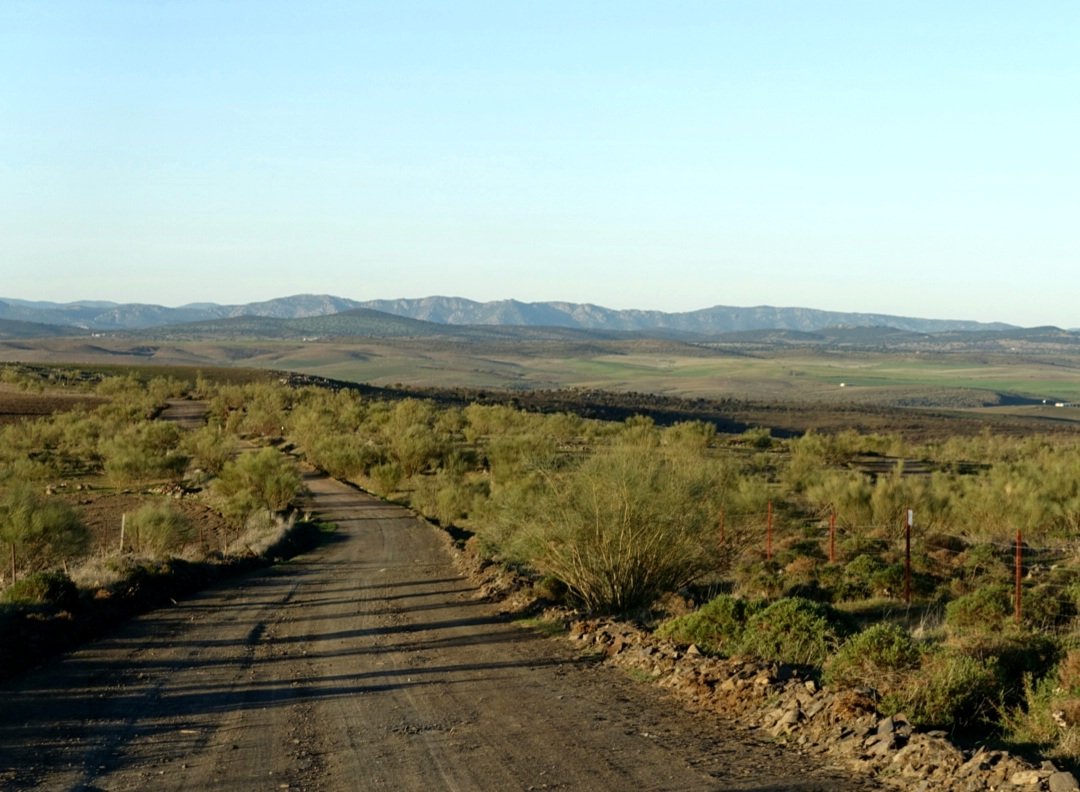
x=899, y=156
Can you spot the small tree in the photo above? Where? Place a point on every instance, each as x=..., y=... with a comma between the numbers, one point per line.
x=39, y=531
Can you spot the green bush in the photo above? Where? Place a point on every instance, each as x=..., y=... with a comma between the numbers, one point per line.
x=951, y=690
x=1039, y=720
x=716, y=627
x=388, y=477
x=794, y=630
x=157, y=529
x=416, y=449
x=983, y=560
x=343, y=456
x=43, y=588
x=445, y=497
x=1014, y=653
x=1043, y=607
x=888, y=581
x=265, y=479
x=857, y=580
x=210, y=448
x=628, y=525
x=1047, y=714
x=760, y=580
x=876, y=657
x=145, y=450
x=38, y=531
x=986, y=609
x=862, y=544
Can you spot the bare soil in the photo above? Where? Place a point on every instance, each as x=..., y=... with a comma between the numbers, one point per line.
x=16, y=405
x=102, y=513
x=370, y=663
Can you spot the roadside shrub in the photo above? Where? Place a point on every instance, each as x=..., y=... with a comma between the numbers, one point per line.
x=760, y=580
x=889, y=581
x=715, y=628
x=43, y=588
x=877, y=657
x=794, y=630
x=1068, y=671
x=343, y=457
x=1048, y=718
x=210, y=448
x=986, y=609
x=416, y=449
x=264, y=409
x=39, y=532
x=856, y=582
x=503, y=517
x=1015, y=653
x=157, y=529
x=869, y=576
x=627, y=525
x=265, y=479
x=862, y=543
x=690, y=435
x=388, y=477
x=263, y=530
x=445, y=497
x=801, y=571
x=1043, y=608
x=509, y=456
x=951, y=691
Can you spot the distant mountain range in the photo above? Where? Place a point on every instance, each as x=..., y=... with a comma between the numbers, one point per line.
x=27, y=319
x=94, y=315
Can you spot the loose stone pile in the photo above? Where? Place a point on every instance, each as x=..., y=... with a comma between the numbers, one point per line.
x=840, y=724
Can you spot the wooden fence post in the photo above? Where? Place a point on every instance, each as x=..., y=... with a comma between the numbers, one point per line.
x=832, y=537
x=907, y=555
x=768, y=534
x=1017, y=594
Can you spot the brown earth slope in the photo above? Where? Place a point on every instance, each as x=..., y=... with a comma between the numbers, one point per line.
x=367, y=664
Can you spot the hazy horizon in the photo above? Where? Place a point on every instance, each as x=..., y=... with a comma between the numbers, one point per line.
x=912, y=159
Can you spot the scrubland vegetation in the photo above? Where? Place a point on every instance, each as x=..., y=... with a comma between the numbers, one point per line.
x=105, y=510
x=721, y=541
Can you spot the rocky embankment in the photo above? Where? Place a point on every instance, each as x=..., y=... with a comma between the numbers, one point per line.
x=840, y=725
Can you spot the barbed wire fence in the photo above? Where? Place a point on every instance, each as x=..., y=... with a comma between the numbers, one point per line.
x=1051, y=568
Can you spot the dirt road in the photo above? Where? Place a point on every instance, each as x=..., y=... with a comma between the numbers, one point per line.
x=185, y=413
x=368, y=664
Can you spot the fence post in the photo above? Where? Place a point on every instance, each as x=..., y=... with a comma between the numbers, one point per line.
x=832, y=537
x=1019, y=577
x=768, y=534
x=907, y=555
